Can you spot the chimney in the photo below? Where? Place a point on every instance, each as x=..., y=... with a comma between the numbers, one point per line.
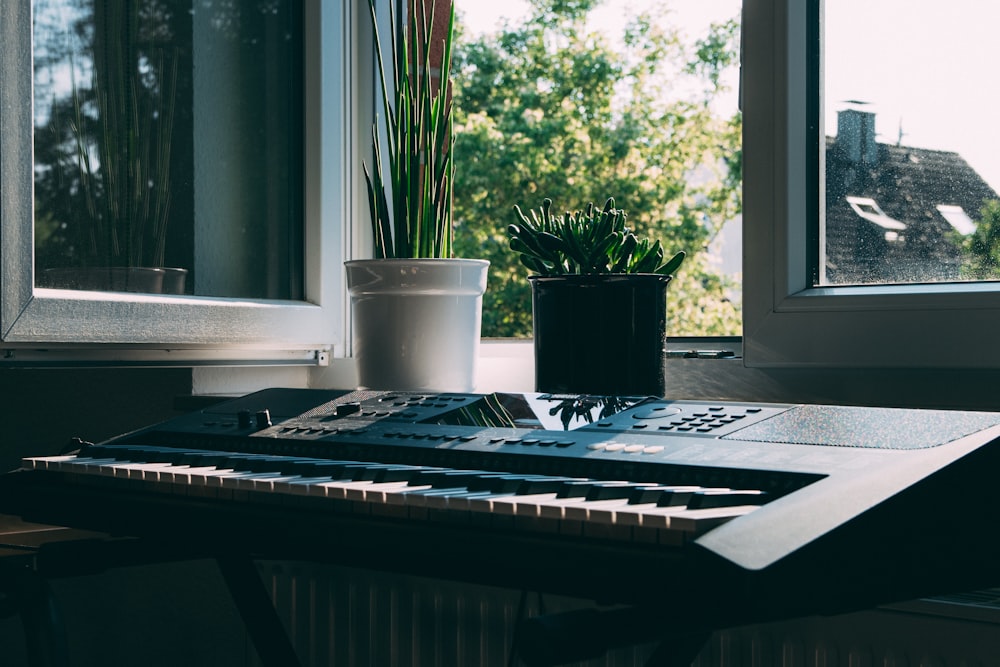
x=856, y=135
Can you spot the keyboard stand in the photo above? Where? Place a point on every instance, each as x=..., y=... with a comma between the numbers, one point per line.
x=27, y=594
x=257, y=610
x=24, y=579
x=576, y=636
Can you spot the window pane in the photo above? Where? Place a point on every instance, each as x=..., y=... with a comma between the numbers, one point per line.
x=912, y=166
x=579, y=102
x=168, y=146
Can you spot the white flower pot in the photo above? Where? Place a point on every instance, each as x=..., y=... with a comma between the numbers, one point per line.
x=417, y=322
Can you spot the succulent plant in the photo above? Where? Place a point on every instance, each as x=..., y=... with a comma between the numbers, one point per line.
x=585, y=242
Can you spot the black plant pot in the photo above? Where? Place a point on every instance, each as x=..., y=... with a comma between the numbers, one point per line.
x=600, y=334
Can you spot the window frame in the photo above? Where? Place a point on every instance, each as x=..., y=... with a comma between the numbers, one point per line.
x=31, y=317
x=788, y=323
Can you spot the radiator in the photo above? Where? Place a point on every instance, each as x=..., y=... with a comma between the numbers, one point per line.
x=341, y=617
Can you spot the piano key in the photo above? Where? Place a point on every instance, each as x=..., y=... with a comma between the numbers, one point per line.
x=681, y=497
x=698, y=521
x=577, y=488
x=614, y=491
x=46, y=462
x=651, y=494
x=607, y=509
x=726, y=498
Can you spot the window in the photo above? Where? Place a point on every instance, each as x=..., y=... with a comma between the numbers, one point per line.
x=579, y=102
x=957, y=218
x=796, y=313
x=262, y=152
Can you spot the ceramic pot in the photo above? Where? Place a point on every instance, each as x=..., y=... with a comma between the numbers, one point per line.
x=600, y=334
x=417, y=322
x=143, y=279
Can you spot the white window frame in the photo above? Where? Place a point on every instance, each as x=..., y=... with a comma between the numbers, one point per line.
x=188, y=328
x=788, y=323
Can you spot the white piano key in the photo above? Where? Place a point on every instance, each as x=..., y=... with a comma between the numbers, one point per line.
x=375, y=492
x=700, y=520
x=46, y=462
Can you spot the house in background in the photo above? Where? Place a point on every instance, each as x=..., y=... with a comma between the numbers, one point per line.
x=895, y=214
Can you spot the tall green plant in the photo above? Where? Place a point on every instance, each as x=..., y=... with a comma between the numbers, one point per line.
x=125, y=170
x=585, y=242
x=410, y=184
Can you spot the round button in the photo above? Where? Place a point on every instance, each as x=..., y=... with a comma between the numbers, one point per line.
x=656, y=412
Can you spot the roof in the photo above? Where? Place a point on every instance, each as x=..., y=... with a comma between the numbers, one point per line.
x=892, y=229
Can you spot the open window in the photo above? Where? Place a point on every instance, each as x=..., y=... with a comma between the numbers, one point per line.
x=233, y=196
x=922, y=311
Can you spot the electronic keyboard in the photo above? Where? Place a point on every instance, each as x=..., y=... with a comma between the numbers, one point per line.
x=720, y=512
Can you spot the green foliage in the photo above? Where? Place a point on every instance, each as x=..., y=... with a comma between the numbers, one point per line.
x=551, y=106
x=128, y=191
x=415, y=218
x=982, y=247
x=103, y=160
x=587, y=241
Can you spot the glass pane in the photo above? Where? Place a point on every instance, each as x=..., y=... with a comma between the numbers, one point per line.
x=168, y=146
x=912, y=166
x=582, y=101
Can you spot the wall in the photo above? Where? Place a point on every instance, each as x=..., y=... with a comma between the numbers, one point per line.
x=153, y=616
x=41, y=409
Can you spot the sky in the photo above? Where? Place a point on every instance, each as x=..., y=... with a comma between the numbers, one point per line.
x=926, y=69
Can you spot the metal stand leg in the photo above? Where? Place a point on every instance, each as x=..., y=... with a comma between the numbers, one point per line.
x=44, y=632
x=261, y=619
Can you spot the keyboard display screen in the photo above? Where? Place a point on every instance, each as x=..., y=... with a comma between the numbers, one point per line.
x=536, y=411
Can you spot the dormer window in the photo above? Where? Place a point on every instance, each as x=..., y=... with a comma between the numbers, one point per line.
x=869, y=209
x=957, y=218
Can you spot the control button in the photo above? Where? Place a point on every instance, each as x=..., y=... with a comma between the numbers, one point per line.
x=244, y=419
x=565, y=443
x=652, y=449
x=597, y=446
x=345, y=409
x=634, y=449
x=656, y=412
x=615, y=446
x=546, y=443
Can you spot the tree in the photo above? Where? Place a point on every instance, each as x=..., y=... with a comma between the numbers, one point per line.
x=553, y=108
x=982, y=247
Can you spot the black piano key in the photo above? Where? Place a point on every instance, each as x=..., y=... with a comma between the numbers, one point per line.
x=444, y=477
x=613, y=491
x=643, y=495
x=399, y=473
x=674, y=498
x=544, y=484
x=726, y=498
x=198, y=459
x=580, y=489
x=499, y=483
x=313, y=467
x=681, y=496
